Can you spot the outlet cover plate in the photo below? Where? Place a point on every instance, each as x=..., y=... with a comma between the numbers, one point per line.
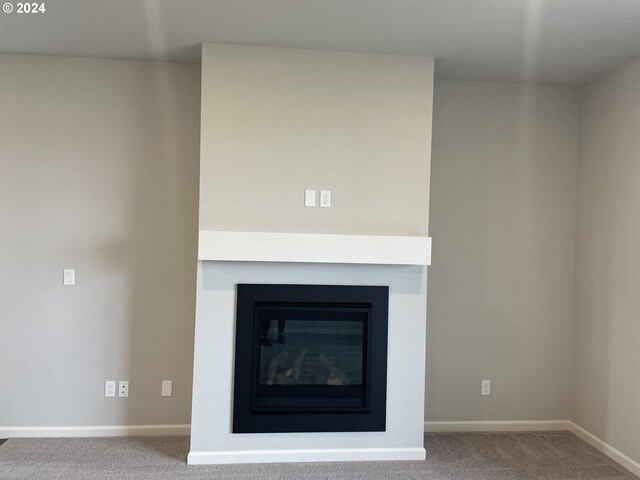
x=110, y=388
x=486, y=387
x=325, y=198
x=123, y=388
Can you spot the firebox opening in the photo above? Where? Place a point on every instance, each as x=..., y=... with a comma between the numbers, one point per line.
x=310, y=358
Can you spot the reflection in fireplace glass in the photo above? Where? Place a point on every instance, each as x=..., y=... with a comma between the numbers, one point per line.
x=311, y=352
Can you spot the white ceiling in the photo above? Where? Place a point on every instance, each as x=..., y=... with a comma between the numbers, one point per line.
x=547, y=41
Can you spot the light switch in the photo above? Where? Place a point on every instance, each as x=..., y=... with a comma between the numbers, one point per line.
x=167, y=388
x=69, y=276
x=309, y=198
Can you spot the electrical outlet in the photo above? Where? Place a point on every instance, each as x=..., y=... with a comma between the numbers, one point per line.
x=123, y=388
x=167, y=388
x=325, y=198
x=486, y=387
x=110, y=388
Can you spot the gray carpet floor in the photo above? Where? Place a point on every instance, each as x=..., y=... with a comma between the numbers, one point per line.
x=459, y=456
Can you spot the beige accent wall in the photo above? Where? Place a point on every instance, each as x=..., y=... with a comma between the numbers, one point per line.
x=606, y=396
x=500, y=297
x=98, y=172
x=278, y=121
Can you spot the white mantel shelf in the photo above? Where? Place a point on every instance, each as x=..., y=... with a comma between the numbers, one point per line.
x=313, y=248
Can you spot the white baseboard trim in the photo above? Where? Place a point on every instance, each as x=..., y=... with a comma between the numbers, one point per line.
x=95, y=431
x=315, y=455
x=326, y=455
x=498, y=426
x=600, y=445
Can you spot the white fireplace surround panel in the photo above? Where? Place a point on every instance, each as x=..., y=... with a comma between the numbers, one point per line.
x=314, y=248
x=212, y=440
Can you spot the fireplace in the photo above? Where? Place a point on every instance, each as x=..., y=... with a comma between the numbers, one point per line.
x=217, y=377
x=310, y=358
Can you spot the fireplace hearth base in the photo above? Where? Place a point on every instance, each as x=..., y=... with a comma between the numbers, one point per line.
x=212, y=437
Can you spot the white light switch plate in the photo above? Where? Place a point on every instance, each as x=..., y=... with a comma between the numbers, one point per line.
x=167, y=388
x=309, y=198
x=69, y=276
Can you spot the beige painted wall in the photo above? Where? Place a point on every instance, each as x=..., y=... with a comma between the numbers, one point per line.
x=501, y=283
x=278, y=121
x=607, y=327
x=98, y=172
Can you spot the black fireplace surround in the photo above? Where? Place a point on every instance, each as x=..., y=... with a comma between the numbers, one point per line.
x=310, y=358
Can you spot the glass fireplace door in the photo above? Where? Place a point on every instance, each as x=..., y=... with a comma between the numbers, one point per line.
x=310, y=358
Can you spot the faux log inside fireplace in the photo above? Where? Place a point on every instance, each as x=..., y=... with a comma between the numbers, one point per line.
x=310, y=358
